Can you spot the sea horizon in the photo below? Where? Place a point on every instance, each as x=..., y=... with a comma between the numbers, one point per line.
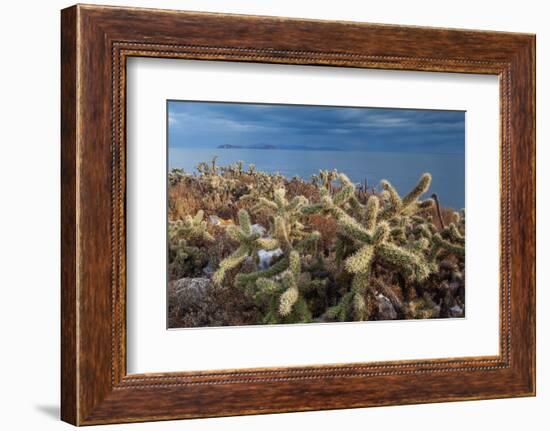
x=402, y=169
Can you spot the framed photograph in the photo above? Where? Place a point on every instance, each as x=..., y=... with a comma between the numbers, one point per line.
x=271, y=219
x=264, y=215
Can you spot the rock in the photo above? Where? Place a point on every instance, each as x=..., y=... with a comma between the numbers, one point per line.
x=191, y=290
x=258, y=228
x=209, y=270
x=447, y=267
x=192, y=302
x=266, y=257
x=386, y=310
x=218, y=221
x=457, y=311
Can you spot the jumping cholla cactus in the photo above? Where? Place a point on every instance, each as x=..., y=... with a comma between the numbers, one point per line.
x=450, y=239
x=175, y=176
x=234, y=169
x=284, y=294
x=223, y=183
x=190, y=228
x=325, y=178
x=185, y=240
x=250, y=242
x=264, y=185
x=207, y=169
x=375, y=233
x=279, y=288
x=449, y=242
x=283, y=283
x=286, y=216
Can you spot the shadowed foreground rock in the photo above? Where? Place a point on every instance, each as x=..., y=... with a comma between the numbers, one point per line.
x=386, y=311
x=193, y=302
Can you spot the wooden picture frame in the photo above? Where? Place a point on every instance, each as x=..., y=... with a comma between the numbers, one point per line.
x=95, y=43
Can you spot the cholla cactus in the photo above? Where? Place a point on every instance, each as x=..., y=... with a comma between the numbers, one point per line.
x=264, y=185
x=450, y=239
x=284, y=293
x=325, y=178
x=278, y=287
x=205, y=168
x=185, y=260
x=248, y=280
x=250, y=241
x=374, y=243
x=190, y=228
x=332, y=204
x=375, y=232
x=286, y=216
x=409, y=205
x=234, y=170
x=175, y=176
x=186, y=239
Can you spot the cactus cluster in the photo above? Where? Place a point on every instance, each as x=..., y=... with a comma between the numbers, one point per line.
x=186, y=240
x=385, y=259
x=250, y=242
x=376, y=233
x=279, y=289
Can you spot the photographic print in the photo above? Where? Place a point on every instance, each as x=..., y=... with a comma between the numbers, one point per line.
x=281, y=214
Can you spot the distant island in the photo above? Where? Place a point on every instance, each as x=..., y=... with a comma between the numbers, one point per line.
x=252, y=147
x=293, y=147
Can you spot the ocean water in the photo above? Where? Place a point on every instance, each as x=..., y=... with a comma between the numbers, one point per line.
x=402, y=169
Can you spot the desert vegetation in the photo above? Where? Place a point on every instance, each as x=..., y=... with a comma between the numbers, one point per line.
x=248, y=247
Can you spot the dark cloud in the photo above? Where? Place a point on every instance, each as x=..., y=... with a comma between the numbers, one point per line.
x=207, y=125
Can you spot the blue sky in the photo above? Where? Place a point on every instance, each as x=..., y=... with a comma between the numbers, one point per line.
x=210, y=124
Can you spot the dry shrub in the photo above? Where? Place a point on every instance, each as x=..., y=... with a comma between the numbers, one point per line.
x=188, y=197
x=326, y=226
x=297, y=187
x=447, y=214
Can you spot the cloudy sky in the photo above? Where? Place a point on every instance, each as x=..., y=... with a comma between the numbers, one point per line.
x=208, y=125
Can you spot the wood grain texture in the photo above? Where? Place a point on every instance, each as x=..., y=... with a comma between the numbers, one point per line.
x=69, y=397
x=96, y=41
